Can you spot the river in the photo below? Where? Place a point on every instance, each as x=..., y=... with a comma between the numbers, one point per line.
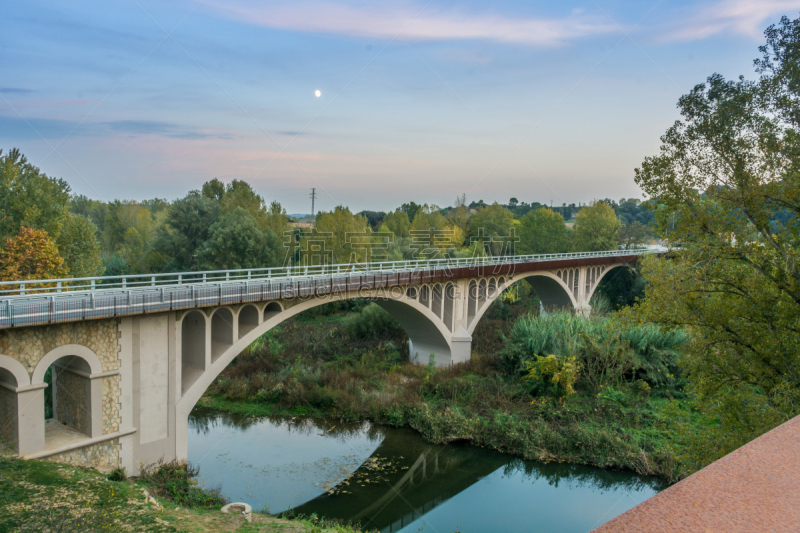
x=390, y=479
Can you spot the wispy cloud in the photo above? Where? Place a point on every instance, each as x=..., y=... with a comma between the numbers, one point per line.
x=743, y=17
x=416, y=22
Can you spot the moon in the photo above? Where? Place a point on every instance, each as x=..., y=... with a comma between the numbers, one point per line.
x=317, y=93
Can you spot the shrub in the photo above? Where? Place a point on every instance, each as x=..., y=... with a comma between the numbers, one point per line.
x=175, y=481
x=554, y=375
x=373, y=322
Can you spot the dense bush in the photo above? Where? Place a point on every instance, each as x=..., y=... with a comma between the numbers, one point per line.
x=607, y=352
x=372, y=323
x=175, y=481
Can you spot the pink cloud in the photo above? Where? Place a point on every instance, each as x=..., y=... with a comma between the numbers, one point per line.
x=744, y=17
x=416, y=22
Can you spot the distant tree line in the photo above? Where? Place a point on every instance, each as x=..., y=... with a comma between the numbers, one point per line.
x=47, y=232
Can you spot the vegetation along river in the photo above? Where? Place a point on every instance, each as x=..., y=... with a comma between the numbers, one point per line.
x=390, y=479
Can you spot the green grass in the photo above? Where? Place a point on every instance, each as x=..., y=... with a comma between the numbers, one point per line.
x=40, y=496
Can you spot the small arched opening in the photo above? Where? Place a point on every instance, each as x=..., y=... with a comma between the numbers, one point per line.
x=248, y=319
x=8, y=408
x=221, y=332
x=481, y=293
x=411, y=293
x=424, y=295
x=68, y=416
x=437, y=300
x=449, y=302
x=193, y=348
x=472, y=300
x=272, y=309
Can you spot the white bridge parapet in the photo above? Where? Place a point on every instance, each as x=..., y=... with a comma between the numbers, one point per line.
x=130, y=356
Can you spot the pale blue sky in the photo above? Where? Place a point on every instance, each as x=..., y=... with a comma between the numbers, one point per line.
x=545, y=101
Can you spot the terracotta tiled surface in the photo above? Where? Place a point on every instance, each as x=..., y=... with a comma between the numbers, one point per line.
x=756, y=488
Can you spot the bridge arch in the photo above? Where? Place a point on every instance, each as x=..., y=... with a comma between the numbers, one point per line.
x=550, y=288
x=427, y=334
x=13, y=373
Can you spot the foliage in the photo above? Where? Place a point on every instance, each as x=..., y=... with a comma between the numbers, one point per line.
x=553, y=375
x=491, y=228
x=398, y=223
x=31, y=255
x=606, y=360
x=727, y=187
x=371, y=323
x=29, y=198
x=79, y=246
x=175, y=481
x=187, y=226
x=633, y=235
x=543, y=232
x=596, y=228
x=236, y=242
x=340, y=225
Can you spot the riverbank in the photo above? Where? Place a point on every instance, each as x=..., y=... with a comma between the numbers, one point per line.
x=351, y=366
x=39, y=496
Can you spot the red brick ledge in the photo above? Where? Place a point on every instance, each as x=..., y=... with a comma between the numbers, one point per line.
x=755, y=488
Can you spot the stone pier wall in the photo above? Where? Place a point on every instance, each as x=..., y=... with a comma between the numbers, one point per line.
x=111, y=404
x=103, y=456
x=8, y=415
x=72, y=399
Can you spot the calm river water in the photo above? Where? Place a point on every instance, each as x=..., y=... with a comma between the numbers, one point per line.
x=390, y=479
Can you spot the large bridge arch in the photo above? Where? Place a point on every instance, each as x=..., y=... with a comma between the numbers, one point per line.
x=551, y=289
x=427, y=335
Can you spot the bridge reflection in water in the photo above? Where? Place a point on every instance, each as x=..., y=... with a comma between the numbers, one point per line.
x=389, y=478
x=422, y=476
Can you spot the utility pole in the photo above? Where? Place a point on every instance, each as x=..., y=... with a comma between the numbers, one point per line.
x=313, y=196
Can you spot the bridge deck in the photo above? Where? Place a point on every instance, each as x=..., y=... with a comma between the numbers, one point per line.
x=27, y=303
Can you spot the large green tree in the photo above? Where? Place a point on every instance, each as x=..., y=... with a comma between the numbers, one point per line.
x=727, y=186
x=491, y=228
x=78, y=245
x=543, y=232
x=236, y=241
x=187, y=227
x=596, y=228
x=29, y=198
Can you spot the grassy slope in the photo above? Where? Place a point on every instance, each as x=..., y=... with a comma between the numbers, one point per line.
x=42, y=496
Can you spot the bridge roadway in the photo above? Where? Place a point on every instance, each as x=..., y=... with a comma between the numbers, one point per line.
x=37, y=302
x=131, y=355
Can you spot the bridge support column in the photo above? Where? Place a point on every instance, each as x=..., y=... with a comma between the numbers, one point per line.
x=30, y=419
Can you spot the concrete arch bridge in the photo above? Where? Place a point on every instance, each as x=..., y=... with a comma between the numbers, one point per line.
x=130, y=356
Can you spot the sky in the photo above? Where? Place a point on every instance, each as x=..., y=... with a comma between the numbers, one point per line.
x=552, y=102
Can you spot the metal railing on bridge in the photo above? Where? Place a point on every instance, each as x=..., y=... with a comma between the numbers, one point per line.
x=34, y=302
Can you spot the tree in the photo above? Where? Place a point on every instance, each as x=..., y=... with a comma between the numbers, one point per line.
x=80, y=247
x=338, y=228
x=236, y=241
x=214, y=190
x=632, y=235
x=187, y=226
x=29, y=198
x=239, y=193
x=398, y=223
x=543, y=232
x=723, y=176
x=491, y=227
x=410, y=209
x=430, y=232
x=276, y=219
x=596, y=228
x=31, y=255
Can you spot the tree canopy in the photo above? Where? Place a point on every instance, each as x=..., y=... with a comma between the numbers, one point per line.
x=596, y=228
x=724, y=174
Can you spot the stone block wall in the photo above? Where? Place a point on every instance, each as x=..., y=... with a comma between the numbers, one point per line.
x=29, y=345
x=8, y=415
x=103, y=456
x=72, y=400
x=111, y=404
